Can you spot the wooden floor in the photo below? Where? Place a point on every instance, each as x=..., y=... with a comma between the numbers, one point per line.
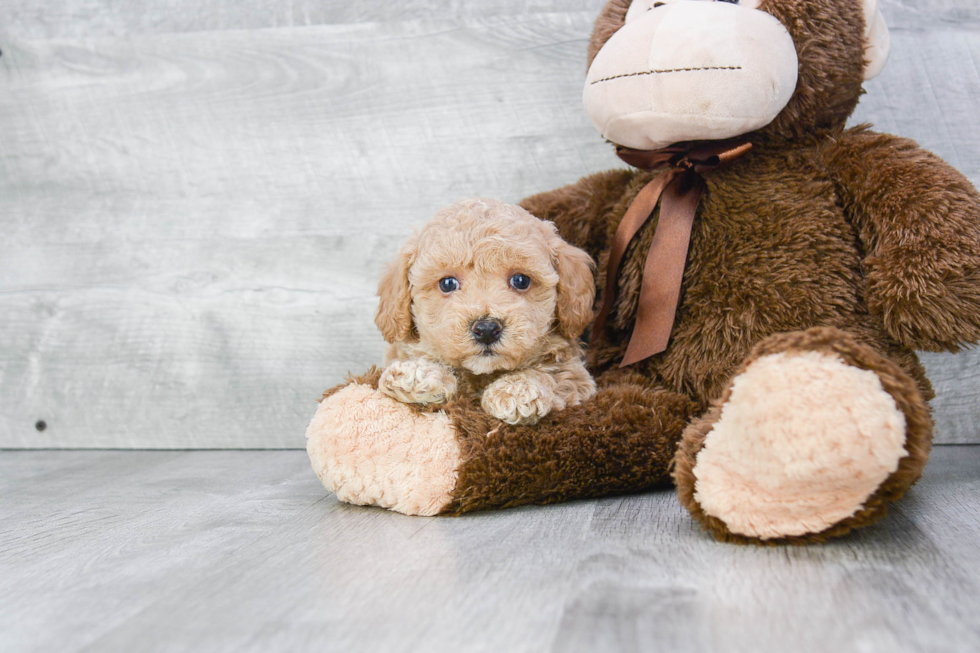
x=244, y=551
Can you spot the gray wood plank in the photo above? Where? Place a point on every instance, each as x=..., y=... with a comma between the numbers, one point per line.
x=928, y=14
x=956, y=408
x=28, y=19
x=194, y=222
x=241, y=551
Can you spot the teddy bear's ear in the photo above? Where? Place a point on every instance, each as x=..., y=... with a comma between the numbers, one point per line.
x=877, y=42
x=394, y=316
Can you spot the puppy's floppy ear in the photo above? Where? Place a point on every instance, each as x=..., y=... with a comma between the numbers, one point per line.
x=576, y=288
x=394, y=317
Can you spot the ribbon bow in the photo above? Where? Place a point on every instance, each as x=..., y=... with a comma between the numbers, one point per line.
x=678, y=191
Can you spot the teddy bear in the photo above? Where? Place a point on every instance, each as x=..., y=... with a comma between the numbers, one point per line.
x=765, y=277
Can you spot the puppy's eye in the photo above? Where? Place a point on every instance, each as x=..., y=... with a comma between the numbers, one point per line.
x=448, y=284
x=520, y=281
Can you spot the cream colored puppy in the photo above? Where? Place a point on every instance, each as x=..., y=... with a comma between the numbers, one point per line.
x=489, y=297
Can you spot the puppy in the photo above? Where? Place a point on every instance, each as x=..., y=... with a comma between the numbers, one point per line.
x=487, y=298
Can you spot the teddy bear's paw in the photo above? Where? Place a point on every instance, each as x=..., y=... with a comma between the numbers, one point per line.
x=370, y=449
x=519, y=398
x=800, y=445
x=418, y=381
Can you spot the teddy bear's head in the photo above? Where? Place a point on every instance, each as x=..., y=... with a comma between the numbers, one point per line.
x=667, y=71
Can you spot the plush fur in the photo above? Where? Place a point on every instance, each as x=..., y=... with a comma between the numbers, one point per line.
x=536, y=365
x=364, y=432
x=831, y=342
x=826, y=242
x=572, y=454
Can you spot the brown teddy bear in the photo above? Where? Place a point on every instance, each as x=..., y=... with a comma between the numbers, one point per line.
x=765, y=276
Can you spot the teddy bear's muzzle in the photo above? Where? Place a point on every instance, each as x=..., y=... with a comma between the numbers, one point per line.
x=691, y=71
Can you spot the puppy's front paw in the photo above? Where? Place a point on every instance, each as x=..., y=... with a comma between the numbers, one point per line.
x=519, y=398
x=418, y=381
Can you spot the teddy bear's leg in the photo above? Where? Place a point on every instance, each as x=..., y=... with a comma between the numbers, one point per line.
x=621, y=440
x=814, y=436
x=372, y=450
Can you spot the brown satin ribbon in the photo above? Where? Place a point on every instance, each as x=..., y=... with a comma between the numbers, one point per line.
x=678, y=190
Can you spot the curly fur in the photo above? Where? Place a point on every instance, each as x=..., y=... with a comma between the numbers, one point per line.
x=536, y=366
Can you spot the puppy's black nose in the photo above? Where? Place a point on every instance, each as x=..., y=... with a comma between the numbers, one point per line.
x=487, y=331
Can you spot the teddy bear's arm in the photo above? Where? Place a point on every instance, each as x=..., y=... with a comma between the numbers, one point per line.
x=919, y=222
x=579, y=209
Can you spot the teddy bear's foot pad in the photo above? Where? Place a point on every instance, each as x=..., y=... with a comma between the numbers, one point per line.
x=370, y=449
x=801, y=444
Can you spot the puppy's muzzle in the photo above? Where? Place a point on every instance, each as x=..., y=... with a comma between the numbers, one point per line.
x=486, y=331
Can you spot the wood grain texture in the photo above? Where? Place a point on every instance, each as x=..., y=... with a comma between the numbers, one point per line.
x=98, y=18
x=928, y=14
x=194, y=221
x=29, y=19
x=241, y=551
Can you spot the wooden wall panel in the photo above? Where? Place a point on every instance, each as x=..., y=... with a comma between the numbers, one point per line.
x=31, y=19
x=193, y=221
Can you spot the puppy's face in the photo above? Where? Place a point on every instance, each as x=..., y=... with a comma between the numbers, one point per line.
x=485, y=283
x=484, y=305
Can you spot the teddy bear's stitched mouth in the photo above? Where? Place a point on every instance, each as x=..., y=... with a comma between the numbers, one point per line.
x=664, y=71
